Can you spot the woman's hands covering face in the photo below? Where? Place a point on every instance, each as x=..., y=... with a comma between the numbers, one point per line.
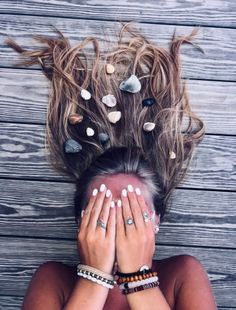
x=132, y=245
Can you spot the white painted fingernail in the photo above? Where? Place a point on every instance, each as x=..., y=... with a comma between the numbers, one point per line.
x=108, y=193
x=119, y=203
x=137, y=190
x=102, y=187
x=130, y=188
x=82, y=213
x=112, y=204
x=95, y=191
x=124, y=192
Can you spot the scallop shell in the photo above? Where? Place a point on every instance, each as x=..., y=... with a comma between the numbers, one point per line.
x=110, y=68
x=72, y=146
x=114, y=116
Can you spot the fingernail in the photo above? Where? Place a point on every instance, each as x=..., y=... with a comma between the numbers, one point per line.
x=112, y=204
x=108, y=193
x=124, y=192
x=82, y=213
x=130, y=188
x=119, y=203
x=137, y=190
x=95, y=191
x=102, y=187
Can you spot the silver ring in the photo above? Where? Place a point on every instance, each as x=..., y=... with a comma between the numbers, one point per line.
x=100, y=223
x=129, y=221
x=146, y=217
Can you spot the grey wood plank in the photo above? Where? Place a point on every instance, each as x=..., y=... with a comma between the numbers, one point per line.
x=23, y=156
x=24, y=96
x=218, y=62
x=16, y=270
x=45, y=209
x=217, y=13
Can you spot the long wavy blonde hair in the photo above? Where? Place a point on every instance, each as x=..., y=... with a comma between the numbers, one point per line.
x=71, y=69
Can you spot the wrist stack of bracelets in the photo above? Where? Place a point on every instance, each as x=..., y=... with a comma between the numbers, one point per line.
x=143, y=279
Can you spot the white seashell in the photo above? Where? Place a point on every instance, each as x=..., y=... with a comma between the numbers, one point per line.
x=109, y=100
x=90, y=131
x=148, y=126
x=114, y=116
x=85, y=94
x=172, y=155
x=132, y=84
x=110, y=68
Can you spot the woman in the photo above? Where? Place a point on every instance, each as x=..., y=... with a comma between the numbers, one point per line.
x=115, y=125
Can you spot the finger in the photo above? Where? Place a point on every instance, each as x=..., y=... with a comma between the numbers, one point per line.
x=126, y=211
x=135, y=208
x=92, y=224
x=143, y=207
x=120, y=227
x=86, y=212
x=104, y=214
x=111, y=223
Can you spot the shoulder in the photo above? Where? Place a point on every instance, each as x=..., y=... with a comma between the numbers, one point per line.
x=48, y=282
x=192, y=284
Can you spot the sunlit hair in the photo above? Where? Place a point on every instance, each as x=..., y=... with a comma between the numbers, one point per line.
x=130, y=149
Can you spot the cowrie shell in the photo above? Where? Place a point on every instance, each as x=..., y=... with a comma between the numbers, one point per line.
x=172, y=155
x=89, y=131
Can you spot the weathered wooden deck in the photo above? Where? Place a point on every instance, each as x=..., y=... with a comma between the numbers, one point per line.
x=36, y=209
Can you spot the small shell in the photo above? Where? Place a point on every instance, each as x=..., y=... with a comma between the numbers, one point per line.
x=103, y=137
x=148, y=126
x=89, y=131
x=75, y=118
x=72, y=146
x=114, y=116
x=85, y=94
x=110, y=68
x=172, y=155
x=131, y=85
x=109, y=100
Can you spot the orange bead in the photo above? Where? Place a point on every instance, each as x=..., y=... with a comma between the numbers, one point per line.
x=136, y=278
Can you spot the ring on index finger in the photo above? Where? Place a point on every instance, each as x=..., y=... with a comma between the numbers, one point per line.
x=129, y=221
x=146, y=217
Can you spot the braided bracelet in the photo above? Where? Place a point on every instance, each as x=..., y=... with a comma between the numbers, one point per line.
x=139, y=288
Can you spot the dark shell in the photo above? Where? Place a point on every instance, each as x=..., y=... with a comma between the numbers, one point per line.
x=72, y=146
x=148, y=102
x=103, y=137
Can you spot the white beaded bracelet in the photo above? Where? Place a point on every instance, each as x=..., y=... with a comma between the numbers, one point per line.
x=96, y=271
x=138, y=283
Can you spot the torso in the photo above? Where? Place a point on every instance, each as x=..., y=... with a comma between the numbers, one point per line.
x=167, y=273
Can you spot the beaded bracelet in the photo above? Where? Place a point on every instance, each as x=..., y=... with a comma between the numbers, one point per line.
x=143, y=270
x=139, y=288
x=96, y=275
x=138, y=283
x=121, y=280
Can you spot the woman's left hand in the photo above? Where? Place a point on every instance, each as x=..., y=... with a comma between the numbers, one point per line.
x=135, y=243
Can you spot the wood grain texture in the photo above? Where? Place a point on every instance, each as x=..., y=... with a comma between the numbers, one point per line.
x=213, y=101
x=217, y=13
x=17, y=270
x=195, y=218
x=218, y=62
x=23, y=156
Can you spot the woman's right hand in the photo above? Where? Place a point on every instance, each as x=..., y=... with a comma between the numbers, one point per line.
x=95, y=244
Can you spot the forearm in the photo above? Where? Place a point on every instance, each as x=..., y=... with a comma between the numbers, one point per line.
x=148, y=299
x=87, y=295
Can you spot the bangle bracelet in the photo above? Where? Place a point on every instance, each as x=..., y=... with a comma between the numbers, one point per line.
x=139, y=288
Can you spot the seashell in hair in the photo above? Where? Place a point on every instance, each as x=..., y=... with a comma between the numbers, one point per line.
x=72, y=146
x=114, y=116
x=89, y=131
x=75, y=118
x=148, y=102
x=131, y=85
x=103, y=137
x=148, y=126
x=110, y=68
x=172, y=155
x=85, y=94
x=109, y=100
